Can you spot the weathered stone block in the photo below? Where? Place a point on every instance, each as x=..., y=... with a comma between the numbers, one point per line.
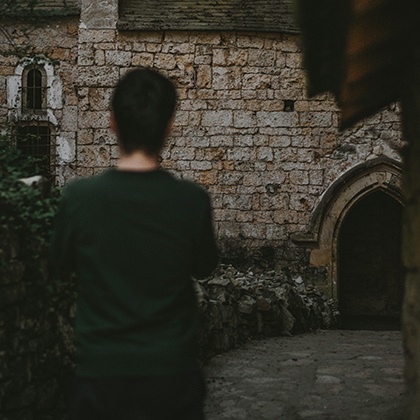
x=261, y=58
x=86, y=55
x=204, y=76
x=142, y=59
x=265, y=153
x=226, y=78
x=222, y=118
x=99, y=76
x=277, y=119
x=93, y=120
x=242, y=119
x=117, y=58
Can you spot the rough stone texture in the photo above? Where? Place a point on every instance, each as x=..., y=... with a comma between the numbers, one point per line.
x=236, y=306
x=244, y=129
x=266, y=168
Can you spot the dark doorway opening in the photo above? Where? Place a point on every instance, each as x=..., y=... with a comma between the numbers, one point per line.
x=370, y=278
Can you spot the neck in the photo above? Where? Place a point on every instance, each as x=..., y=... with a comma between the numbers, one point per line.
x=137, y=161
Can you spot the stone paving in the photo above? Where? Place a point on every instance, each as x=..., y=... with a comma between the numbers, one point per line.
x=335, y=374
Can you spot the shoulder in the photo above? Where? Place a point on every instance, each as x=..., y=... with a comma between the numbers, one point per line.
x=186, y=195
x=84, y=186
x=190, y=188
x=80, y=184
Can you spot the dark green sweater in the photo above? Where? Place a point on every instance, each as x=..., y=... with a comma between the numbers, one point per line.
x=135, y=239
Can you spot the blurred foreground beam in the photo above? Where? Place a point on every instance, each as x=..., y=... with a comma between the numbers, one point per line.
x=411, y=235
x=375, y=60
x=358, y=50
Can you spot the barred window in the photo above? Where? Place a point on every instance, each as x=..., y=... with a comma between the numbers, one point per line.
x=34, y=139
x=34, y=82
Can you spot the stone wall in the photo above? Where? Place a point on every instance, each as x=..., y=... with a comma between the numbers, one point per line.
x=236, y=306
x=244, y=129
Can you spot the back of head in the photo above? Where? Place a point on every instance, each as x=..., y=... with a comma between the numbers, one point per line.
x=143, y=104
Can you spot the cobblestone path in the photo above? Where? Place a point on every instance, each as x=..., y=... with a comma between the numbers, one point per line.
x=337, y=375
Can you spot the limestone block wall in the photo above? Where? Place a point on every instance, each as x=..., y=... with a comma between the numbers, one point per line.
x=244, y=129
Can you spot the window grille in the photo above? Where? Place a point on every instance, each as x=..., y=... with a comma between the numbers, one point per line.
x=34, y=91
x=34, y=140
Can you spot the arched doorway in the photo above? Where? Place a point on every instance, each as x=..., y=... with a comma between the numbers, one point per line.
x=370, y=279
x=380, y=179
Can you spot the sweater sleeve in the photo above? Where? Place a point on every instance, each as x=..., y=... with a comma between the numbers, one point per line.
x=206, y=252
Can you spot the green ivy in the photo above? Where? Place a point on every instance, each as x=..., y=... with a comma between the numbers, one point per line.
x=29, y=211
x=26, y=220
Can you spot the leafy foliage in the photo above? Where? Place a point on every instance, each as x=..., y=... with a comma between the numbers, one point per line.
x=29, y=211
x=36, y=339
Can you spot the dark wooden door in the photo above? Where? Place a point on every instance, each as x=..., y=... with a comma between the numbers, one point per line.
x=369, y=270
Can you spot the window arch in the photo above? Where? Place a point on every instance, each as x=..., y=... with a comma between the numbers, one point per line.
x=35, y=102
x=34, y=90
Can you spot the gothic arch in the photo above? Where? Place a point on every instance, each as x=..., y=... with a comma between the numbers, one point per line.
x=380, y=174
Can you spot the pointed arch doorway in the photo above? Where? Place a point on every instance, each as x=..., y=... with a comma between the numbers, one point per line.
x=356, y=227
x=370, y=279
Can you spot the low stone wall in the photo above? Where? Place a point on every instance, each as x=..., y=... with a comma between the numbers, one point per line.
x=236, y=306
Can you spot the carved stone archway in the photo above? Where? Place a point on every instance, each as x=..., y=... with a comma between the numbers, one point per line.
x=381, y=174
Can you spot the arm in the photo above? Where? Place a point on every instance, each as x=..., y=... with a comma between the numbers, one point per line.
x=61, y=246
x=207, y=253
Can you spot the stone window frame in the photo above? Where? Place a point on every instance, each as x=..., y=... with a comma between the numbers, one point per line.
x=51, y=102
x=322, y=236
x=53, y=88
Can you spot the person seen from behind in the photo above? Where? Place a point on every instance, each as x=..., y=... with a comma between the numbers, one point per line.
x=136, y=235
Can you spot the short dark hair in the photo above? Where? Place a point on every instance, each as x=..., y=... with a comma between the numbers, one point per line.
x=143, y=103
